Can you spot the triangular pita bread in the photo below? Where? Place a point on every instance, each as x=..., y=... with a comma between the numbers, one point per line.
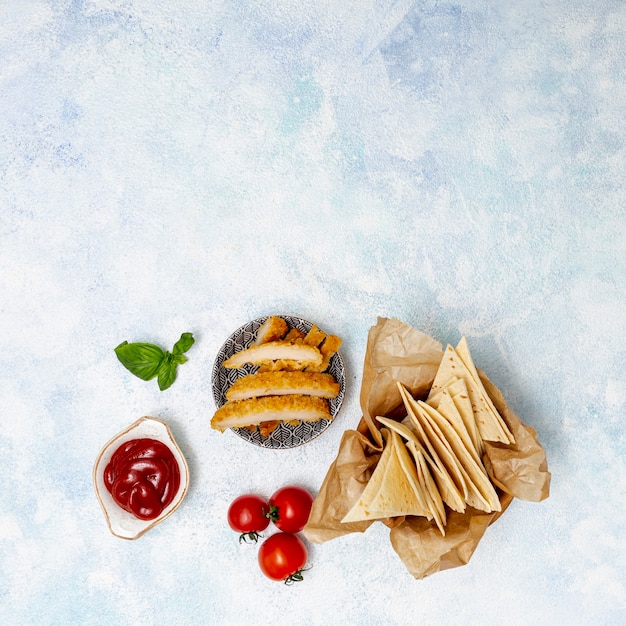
x=462, y=349
x=390, y=492
x=449, y=491
x=480, y=492
x=429, y=487
x=490, y=425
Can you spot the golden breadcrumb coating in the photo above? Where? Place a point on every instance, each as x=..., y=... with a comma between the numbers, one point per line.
x=283, y=383
x=295, y=335
x=331, y=345
x=272, y=329
x=284, y=365
x=315, y=336
x=254, y=411
x=275, y=351
x=266, y=428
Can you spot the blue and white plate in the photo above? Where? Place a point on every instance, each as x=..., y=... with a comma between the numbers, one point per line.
x=286, y=435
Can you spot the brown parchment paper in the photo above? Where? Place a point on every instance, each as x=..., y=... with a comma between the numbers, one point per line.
x=398, y=352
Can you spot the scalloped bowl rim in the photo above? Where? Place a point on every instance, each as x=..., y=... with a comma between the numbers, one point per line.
x=131, y=527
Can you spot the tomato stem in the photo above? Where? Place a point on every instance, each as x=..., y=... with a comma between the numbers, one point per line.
x=296, y=577
x=251, y=537
x=273, y=514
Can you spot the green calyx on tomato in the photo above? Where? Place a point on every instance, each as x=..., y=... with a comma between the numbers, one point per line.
x=289, y=508
x=247, y=515
x=282, y=557
x=297, y=577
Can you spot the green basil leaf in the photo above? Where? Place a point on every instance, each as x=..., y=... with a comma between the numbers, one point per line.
x=167, y=372
x=141, y=359
x=146, y=360
x=178, y=359
x=184, y=343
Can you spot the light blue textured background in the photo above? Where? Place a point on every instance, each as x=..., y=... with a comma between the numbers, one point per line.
x=191, y=165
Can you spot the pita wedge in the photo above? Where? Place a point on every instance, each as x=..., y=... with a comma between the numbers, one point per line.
x=405, y=459
x=428, y=491
x=441, y=444
x=480, y=492
x=451, y=487
x=429, y=487
x=463, y=404
x=390, y=491
x=490, y=425
x=456, y=388
x=462, y=349
x=448, y=409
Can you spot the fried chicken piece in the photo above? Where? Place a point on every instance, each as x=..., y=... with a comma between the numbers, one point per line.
x=295, y=335
x=331, y=345
x=272, y=329
x=281, y=365
x=240, y=413
x=276, y=351
x=315, y=336
x=283, y=383
x=267, y=428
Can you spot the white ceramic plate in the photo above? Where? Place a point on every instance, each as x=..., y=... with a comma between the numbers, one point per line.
x=286, y=435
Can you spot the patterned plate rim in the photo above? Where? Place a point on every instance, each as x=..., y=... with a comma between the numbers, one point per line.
x=285, y=436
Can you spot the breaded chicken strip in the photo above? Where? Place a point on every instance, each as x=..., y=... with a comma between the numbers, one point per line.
x=282, y=365
x=315, y=336
x=283, y=383
x=240, y=413
x=331, y=345
x=276, y=351
x=295, y=335
x=272, y=329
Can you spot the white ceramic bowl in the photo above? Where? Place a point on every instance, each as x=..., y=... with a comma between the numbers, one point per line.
x=122, y=523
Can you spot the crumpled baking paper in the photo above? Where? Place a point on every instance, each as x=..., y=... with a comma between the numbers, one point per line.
x=398, y=352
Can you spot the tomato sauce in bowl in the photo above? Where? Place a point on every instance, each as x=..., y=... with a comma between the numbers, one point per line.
x=143, y=477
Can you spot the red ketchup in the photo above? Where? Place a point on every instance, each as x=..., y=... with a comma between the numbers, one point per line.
x=143, y=477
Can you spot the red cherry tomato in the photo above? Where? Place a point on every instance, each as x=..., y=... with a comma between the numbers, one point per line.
x=248, y=515
x=283, y=557
x=290, y=508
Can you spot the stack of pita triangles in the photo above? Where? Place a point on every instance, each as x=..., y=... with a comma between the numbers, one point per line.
x=434, y=456
x=455, y=366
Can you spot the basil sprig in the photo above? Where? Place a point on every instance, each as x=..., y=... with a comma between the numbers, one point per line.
x=148, y=361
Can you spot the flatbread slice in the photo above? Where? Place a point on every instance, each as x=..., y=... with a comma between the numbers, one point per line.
x=447, y=487
x=457, y=389
x=431, y=468
x=448, y=409
x=490, y=425
x=480, y=491
x=389, y=492
x=406, y=459
x=429, y=487
x=464, y=354
x=442, y=446
x=463, y=404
